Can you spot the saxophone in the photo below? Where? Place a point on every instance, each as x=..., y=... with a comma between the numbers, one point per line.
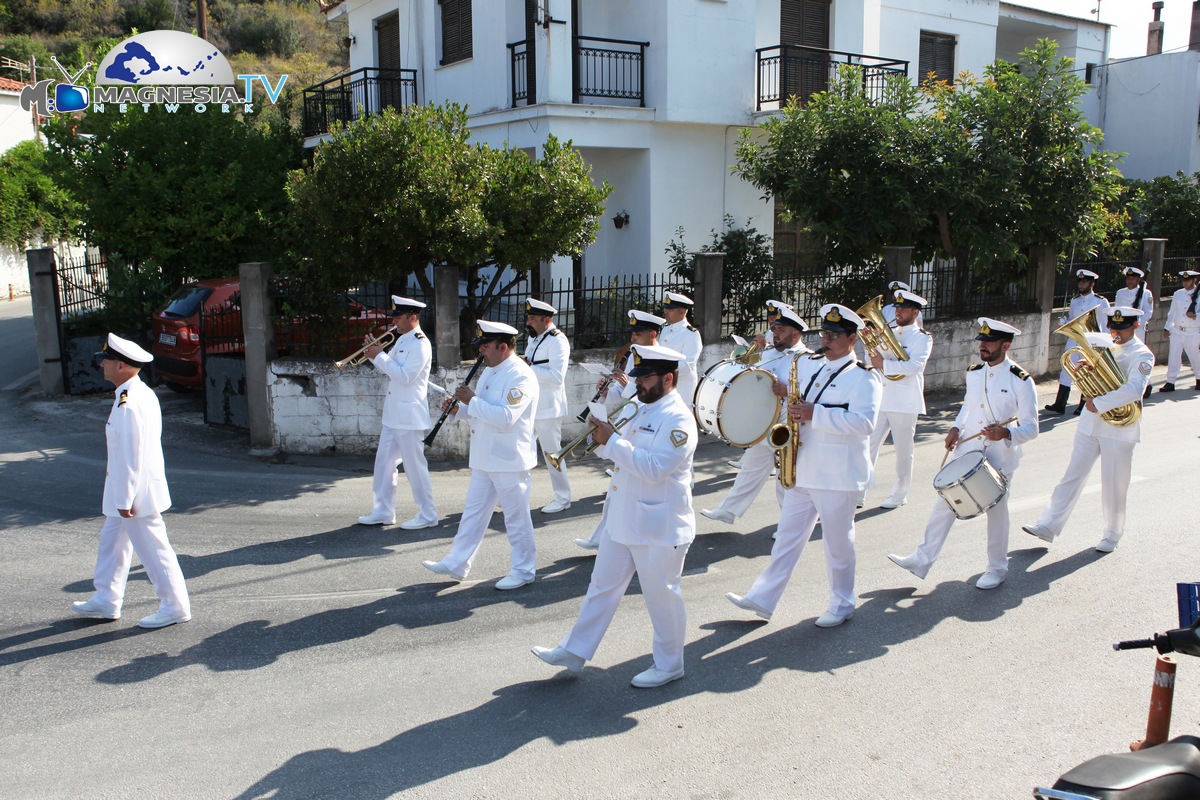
x=785, y=436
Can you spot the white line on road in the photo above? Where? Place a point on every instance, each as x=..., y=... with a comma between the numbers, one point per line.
x=21, y=383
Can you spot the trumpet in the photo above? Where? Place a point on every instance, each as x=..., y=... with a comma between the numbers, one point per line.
x=359, y=356
x=877, y=335
x=614, y=418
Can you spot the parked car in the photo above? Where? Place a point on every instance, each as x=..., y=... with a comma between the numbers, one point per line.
x=177, y=337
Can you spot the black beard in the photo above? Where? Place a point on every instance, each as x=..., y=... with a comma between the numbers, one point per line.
x=531, y=332
x=651, y=394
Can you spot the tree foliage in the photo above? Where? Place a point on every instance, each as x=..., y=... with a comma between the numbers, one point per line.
x=31, y=203
x=1167, y=207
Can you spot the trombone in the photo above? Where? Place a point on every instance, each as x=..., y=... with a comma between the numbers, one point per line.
x=359, y=356
x=614, y=418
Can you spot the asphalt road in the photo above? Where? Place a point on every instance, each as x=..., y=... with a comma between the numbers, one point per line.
x=324, y=661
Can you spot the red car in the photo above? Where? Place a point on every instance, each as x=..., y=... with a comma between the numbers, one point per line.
x=175, y=329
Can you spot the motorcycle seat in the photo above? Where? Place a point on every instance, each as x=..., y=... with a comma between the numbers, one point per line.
x=1168, y=770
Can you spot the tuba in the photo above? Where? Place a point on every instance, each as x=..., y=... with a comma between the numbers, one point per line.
x=784, y=437
x=877, y=335
x=1097, y=372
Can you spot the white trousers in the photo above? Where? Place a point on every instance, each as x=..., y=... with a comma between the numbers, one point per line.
x=757, y=463
x=659, y=569
x=120, y=538
x=1140, y=332
x=801, y=510
x=942, y=519
x=1181, y=342
x=511, y=491
x=903, y=428
x=549, y=436
x=1116, y=465
x=396, y=447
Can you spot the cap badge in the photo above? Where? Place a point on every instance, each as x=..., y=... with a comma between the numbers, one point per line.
x=985, y=329
x=834, y=315
x=1118, y=317
x=637, y=358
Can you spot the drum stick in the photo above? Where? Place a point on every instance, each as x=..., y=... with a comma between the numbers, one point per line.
x=974, y=436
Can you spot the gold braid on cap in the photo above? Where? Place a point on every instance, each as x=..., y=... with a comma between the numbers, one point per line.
x=834, y=315
x=985, y=329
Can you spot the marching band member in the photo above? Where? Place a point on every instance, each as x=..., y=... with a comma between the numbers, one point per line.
x=903, y=399
x=650, y=522
x=1135, y=294
x=1086, y=300
x=765, y=342
x=135, y=495
x=839, y=402
x=405, y=418
x=759, y=459
x=1183, y=330
x=1097, y=438
x=997, y=390
x=547, y=352
x=889, y=310
x=679, y=334
x=503, y=452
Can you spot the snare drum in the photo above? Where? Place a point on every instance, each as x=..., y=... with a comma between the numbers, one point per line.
x=736, y=402
x=970, y=485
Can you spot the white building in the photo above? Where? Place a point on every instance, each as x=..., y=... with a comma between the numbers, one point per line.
x=655, y=93
x=16, y=125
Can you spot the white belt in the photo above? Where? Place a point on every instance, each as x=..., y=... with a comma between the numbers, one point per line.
x=1188, y=328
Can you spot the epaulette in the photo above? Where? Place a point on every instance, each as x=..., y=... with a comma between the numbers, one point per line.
x=865, y=365
x=693, y=329
x=554, y=332
x=1020, y=373
x=124, y=397
x=419, y=335
x=974, y=367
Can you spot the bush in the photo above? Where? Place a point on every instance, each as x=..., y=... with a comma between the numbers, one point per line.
x=264, y=30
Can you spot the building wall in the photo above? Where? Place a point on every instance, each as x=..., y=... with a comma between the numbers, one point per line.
x=1151, y=114
x=16, y=124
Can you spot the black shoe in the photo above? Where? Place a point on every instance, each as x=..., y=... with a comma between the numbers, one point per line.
x=1059, y=406
x=1198, y=385
x=1079, y=408
x=1149, y=389
x=1167, y=387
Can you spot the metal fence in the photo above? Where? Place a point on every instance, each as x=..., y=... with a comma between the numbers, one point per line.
x=347, y=97
x=617, y=72
x=938, y=281
x=1109, y=269
x=82, y=286
x=785, y=71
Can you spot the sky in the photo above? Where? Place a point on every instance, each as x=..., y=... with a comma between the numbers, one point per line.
x=1130, y=19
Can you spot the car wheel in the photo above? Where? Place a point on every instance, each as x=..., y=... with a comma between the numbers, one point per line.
x=178, y=387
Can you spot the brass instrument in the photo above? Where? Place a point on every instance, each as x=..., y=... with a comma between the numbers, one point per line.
x=618, y=364
x=614, y=418
x=1098, y=373
x=746, y=354
x=359, y=356
x=784, y=437
x=877, y=335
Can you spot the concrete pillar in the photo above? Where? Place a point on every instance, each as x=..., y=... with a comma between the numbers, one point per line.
x=257, y=280
x=1043, y=269
x=710, y=269
x=897, y=264
x=447, y=344
x=44, y=294
x=1153, y=251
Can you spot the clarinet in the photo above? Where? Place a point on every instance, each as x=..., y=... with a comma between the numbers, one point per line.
x=582, y=416
x=428, y=440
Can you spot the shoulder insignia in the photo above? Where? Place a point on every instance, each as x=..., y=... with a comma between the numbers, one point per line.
x=679, y=438
x=1145, y=367
x=865, y=365
x=692, y=328
x=419, y=335
x=124, y=397
x=553, y=332
x=974, y=367
x=1020, y=373
x=514, y=396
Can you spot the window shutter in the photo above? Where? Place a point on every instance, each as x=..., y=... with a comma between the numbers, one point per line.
x=804, y=22
x=936, y=56
x=456, y=30
x=387, y=33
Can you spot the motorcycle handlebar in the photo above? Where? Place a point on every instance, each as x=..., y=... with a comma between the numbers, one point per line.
x=1180, y=640
x=1133, y=644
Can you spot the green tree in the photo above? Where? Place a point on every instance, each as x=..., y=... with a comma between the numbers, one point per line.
x=392, y=193
x=31, y=203
x=1167, y=207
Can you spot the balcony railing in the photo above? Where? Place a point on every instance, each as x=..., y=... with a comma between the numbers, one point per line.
x=786, y=71
x=519, y=69
x=347, y=97
x=615, y=73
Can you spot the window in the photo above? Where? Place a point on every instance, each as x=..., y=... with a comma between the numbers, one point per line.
x=804, y=23
x=1089, y=73
x=456, y=30
x=937, y=56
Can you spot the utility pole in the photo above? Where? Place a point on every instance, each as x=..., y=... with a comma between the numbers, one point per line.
x=202, y=19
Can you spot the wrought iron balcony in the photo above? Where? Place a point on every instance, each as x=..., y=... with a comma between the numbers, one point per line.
x=347, y=97
x=786, y=71
x=615, y=71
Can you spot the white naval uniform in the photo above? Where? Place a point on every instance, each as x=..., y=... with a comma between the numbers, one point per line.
x=903, y=401
x=684, y=338
x=1125, y=297
x=136, y=479
x=1185, y=334
x=405, y=418
x=650, y=525
x=503, y=451
x=993, y=395
x=1080, y=303
x=1112, y=444
x=832, y=467
x=548, y=356
x=759, y=459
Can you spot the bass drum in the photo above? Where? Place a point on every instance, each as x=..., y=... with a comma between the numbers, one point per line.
x=736, y=403
x=970, y=485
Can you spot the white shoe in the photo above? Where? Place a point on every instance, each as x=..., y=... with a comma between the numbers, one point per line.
x=90, y=608
x=747, y=605
x=655, y=677
x=893, y=502
x=735, y=464
x=371, y=519
x=161, y=619
x=416, y=524
x=911, y=563
x=556, y=505
x=719, y=514
x=511, y=582
x=989, y=580
x=1106, y=545
x=610, y=473
x=1040, y=531
x=558, y=657
x=442, y=569
x=831, y=620
x=587, y=544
